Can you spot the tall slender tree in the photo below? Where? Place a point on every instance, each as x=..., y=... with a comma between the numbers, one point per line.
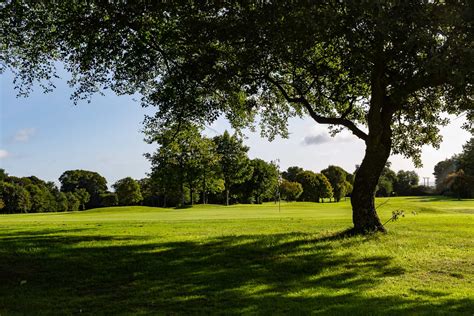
x=234, y=163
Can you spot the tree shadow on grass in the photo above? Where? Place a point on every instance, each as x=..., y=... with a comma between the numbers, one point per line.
x=262, y=274
x=435, y=198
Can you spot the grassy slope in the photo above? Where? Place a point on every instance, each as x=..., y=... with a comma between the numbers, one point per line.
x=236, y=259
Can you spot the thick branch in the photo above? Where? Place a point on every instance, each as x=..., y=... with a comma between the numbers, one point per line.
x=416, y=83
x=318, y=118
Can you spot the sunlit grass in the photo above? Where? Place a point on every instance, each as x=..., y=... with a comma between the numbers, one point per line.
x=239, y=259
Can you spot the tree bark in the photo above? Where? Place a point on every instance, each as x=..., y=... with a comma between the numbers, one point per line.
x=378, y=147
x=227, y=197
x=364, y=215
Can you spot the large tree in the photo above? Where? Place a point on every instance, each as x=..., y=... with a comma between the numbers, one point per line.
x=441, y=172
x=92, y=182
x=290, y=191
x=386, y=71
x=466, y=158
x=316, y=187
x=405, y=181
x=128, y=191
x=263, y=182
x=338, y=179
x=185, y=159
x=234, y=164
x=16, y=199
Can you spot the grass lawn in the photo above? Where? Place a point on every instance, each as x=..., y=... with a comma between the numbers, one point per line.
x=239, y=259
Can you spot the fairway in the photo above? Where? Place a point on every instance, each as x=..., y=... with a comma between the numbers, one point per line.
x=252, y=259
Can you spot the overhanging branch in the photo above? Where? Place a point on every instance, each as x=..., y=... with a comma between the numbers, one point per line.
x=318, y=118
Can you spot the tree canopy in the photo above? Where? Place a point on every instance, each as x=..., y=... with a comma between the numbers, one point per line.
x=128, y=191
x=92, y=182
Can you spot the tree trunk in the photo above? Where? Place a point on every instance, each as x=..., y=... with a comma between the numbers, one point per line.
x=183, y=196
x=378, y=147
x=227, y=197
x=191, y=193
x=204, y=191
x=364, y=215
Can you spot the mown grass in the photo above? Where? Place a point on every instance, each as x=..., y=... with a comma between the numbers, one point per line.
x=239, y=259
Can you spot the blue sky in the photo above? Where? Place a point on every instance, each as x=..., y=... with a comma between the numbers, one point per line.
x=45, y=134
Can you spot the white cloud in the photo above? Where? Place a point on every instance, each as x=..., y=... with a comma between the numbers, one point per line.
x=4, y=154
x=24, y=135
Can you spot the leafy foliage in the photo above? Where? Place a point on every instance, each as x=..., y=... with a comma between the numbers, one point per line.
x=128, y=191
x=263, y=182
x=338, y=179
x=73, y=202
x=316, y=186
x=291, y=172
x=16, y=199
x=290, y=191
x=90, y=181
x=234, y=165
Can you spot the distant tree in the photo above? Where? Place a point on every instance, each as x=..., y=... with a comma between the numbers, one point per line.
x=466, y=158
x=406, y=180
x=309, y=182
x=290, y=191
x=210, y=181
x=234, y=164
x=83, y=196
x=23, y=181
x=62, y=202
x=202, y=170
x=181, y=161
x=92, y=182
x=441, y=172
x=166, y=179
x=325, y=189
x=262, y=183
x=460, y=185
x=316, y=186
x=72, y=202
x=387, y=180
x=108, y=199
x=128, y=191
x=338, y=179
x=385, y=187
x=150, y=191
x=3, y=175
x=15, y=197
x=291, y=172
x=38, y=197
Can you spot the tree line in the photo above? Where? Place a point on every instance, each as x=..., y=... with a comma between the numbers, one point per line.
x=79, y=190
x=455, y=175
x=189, y=168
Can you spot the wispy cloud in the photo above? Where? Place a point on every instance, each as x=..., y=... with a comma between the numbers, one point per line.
x=24, y=135
x=4, y=154
x=322, y=138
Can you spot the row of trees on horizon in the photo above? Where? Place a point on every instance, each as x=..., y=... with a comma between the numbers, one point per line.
x=190, y=168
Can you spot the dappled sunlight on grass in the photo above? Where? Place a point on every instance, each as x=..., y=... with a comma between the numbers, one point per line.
x=245, y=265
